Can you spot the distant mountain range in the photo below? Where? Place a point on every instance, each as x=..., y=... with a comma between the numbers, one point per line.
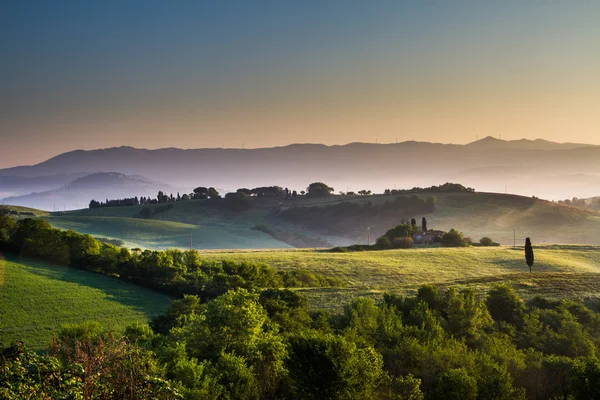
x=99, y=186
x=528, y=167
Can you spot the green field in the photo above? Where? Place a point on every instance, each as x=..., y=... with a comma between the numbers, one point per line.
x=36, y=299
x=160, y=235
x=499, y=216
x=560, y=271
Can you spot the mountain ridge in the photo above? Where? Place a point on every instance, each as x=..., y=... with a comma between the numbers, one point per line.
x=353, y=166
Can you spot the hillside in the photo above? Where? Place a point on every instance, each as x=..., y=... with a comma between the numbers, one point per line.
x=37, y=298
x=100, y=186
x=338, y=220
x=541, y=168
x=156, y=234
x=559, y=271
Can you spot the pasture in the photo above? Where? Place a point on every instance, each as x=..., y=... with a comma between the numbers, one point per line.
x=566, y=271
x=37, y=299
x=160, y=235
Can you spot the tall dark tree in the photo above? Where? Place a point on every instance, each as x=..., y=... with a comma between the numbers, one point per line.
x=528, y=253
x=424, y=224
x=413, y=222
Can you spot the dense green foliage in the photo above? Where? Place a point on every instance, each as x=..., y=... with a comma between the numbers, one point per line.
x=454, y=238
x=171, y=271
x=263, y=345
x=228, y=338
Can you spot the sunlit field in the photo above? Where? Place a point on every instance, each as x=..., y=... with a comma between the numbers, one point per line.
x=37, y=299
x=559, y=271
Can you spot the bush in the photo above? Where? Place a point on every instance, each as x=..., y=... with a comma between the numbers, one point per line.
x=454, y=238
x=486, y=241
x=383, y=242
x=402, y=243
x=400, y=231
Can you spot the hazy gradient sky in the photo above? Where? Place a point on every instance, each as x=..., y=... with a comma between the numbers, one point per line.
x=91, y=74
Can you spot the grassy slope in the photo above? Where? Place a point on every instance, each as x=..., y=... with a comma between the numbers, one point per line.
x=476, y=214
x=38, y=298
x=156, y=234
x=559, y=271
x=23, y=209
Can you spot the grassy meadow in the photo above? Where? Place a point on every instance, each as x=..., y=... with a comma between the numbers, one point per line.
x=37, y=299
x=160, y=235
x=499, y=216
x=559, y=271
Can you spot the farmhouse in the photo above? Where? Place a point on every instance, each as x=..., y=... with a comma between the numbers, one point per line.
x=428, y=237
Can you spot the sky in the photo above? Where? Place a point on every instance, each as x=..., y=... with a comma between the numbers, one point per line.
x=192, y=74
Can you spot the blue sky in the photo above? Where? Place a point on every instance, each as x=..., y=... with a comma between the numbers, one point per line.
x=89, y=74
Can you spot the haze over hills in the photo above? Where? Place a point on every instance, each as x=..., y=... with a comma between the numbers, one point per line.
x=541, y=168
x=99, y=186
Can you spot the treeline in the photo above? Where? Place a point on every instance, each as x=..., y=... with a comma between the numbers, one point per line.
x=199, y=193
x=593, y=203
x=171, y=271
x=435, y=345
x=445, y=188
x=135, y=201
x=341, y=218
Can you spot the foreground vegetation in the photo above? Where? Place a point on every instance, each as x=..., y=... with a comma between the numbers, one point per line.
x=449, y=344
x=235, y=332
x=37, y=299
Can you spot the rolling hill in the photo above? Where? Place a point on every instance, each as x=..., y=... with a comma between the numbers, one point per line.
x=338, y=220
x=541, y=168
x=560, y=271
x=99, y=186
x=37, y=298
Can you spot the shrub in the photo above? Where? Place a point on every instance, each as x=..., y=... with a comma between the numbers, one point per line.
x=504, y=304
x=402, y=230
x=486, y=241
x=402, y=243
x=383, y=242
x=454, y=238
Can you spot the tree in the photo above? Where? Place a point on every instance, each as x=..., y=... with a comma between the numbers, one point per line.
x=400, y=231
x=486, y=241
x=424, y=224
x=383, y=242
x=200, y=192
x=213, y=194
x=318, y=189
x=413, y=223
x=7, y=227
x=326, y=366
x=456, y=384
x=504, y=305
x=454, y=238
x=528, y=253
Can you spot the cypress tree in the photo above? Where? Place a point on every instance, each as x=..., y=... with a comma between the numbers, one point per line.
x=424, y=224
x=528, y=253
x=413, y=222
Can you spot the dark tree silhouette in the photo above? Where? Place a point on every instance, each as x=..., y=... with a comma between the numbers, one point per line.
x=413, y=222
x=528, y=253
x=318, y=189
x=424, y=224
